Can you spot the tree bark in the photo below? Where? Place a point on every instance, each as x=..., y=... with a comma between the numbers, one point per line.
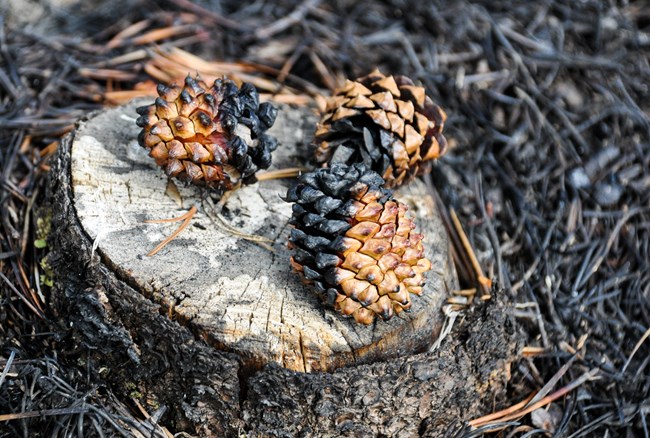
x=219, y=328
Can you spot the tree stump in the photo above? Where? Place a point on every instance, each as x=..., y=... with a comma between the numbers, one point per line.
x=216, y=325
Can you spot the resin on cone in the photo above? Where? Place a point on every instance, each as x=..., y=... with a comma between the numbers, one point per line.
x=354, y=242
x=386, y=122
x=192, y=132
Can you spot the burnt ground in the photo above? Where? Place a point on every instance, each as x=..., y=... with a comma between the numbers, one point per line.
x=549, y=173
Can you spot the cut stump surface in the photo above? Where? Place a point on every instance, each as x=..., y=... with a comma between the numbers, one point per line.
x=231, y=292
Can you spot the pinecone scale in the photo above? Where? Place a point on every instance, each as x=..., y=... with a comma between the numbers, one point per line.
x=386, y=122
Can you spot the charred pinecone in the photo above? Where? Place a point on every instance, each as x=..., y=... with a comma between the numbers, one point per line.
x=353, y=241
x=386, y=122
x=191, y=132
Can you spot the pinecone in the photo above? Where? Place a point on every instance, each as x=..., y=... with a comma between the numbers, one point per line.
x=353, y=241
x=386, y=122
x=191, y=132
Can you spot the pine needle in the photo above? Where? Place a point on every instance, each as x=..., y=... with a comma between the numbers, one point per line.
x=186, y=218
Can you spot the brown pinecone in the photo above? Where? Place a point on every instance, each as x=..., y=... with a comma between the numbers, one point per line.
x=386, y=122
x=355, y=243
x=191, y=132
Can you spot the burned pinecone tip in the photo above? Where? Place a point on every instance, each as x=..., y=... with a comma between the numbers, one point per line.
x=354, y=243
x=386, y=122
x=195, y=132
